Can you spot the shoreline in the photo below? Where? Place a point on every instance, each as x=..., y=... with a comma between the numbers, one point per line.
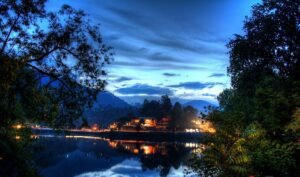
x=128, y=135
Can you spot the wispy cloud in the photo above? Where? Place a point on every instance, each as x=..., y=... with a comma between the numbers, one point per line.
x=196, y=85
x=217, y=75
x=162, y=44
x=208, y=94
x=144, y=89
x=122, y=79
x=171, y=74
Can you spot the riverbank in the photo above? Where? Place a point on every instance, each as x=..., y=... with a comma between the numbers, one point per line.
x=137, y=135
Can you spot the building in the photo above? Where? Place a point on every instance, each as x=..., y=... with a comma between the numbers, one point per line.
x=149, y=123
x=163, y=124
x=142, y=123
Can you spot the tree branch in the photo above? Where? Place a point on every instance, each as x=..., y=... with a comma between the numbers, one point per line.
x=50, y=75
x=9, y=33
x=44, y=55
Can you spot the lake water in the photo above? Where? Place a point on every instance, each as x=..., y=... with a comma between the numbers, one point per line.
x=91, y=156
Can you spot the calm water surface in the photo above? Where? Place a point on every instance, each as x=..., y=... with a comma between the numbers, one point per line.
x=87, y=156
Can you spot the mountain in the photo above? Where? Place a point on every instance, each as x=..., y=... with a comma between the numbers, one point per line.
x=105, y=99
x=107, y=108
x=199, y=104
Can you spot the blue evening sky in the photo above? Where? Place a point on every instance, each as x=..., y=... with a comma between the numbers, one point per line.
x=174, y=47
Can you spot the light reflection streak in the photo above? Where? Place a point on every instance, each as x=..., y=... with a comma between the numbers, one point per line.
x=134, y=146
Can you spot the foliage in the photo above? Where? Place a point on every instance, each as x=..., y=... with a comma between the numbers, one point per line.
x=50, y=68
x=257, y=122
x=151, y=108
x=166, y=105
x=57, y=53
x=181, y=117
x=294, y=125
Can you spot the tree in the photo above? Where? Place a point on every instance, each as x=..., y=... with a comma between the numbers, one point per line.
x=84, y=123
x=50, y=68
x=258, y=116
x=266, y=60
x=177, y=116
x=166, y=105
x=189, y=113
x=151, y=108
x=59, y=54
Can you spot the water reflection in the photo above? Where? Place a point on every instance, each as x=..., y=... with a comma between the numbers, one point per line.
x=85, y=156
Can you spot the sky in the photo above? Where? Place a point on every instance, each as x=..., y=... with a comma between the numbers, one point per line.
x=174, y=47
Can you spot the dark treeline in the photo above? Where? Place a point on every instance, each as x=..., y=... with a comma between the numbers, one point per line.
x=180, y=116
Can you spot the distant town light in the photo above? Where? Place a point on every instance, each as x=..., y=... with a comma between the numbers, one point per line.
x=95, y=127
x=17, y=126
x=136, y=151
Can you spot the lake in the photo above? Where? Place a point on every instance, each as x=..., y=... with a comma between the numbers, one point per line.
x=92, y=156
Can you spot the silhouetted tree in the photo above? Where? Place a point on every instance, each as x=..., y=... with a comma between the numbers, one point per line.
x=176, y=116
x=62, y=52
x=151, y=108
x=166, y=105
x=265, y=66
x=189, y=113
x=50, y=68
x=257, y=116
x=84, y=123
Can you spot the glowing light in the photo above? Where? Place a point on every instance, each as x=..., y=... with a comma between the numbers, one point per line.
x=17, y=137
x=136, y=151
x=17, y=126
x=191, y=145
x=136, y=121
x=84, y=137
x=95, y=127
x=148, y=149
x=113, y=126
x=203, y=126
x=34, y=137
x=150, y=123
x=113, y=144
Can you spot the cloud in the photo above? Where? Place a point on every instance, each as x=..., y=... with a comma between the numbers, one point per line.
x=156, y=66
x=217, y=75
x=122, y=79
x=196, y=85
x=209, y=94
x=144, y=89
x=171, y=74
x=159, y=56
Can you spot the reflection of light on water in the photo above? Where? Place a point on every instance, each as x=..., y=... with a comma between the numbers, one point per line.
x=136, y=151
x=199, y=149
x=134, y=146
x=132, y=166
x=86, y=137
x=148, y=149
x=191, y=145
x=191, y=130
